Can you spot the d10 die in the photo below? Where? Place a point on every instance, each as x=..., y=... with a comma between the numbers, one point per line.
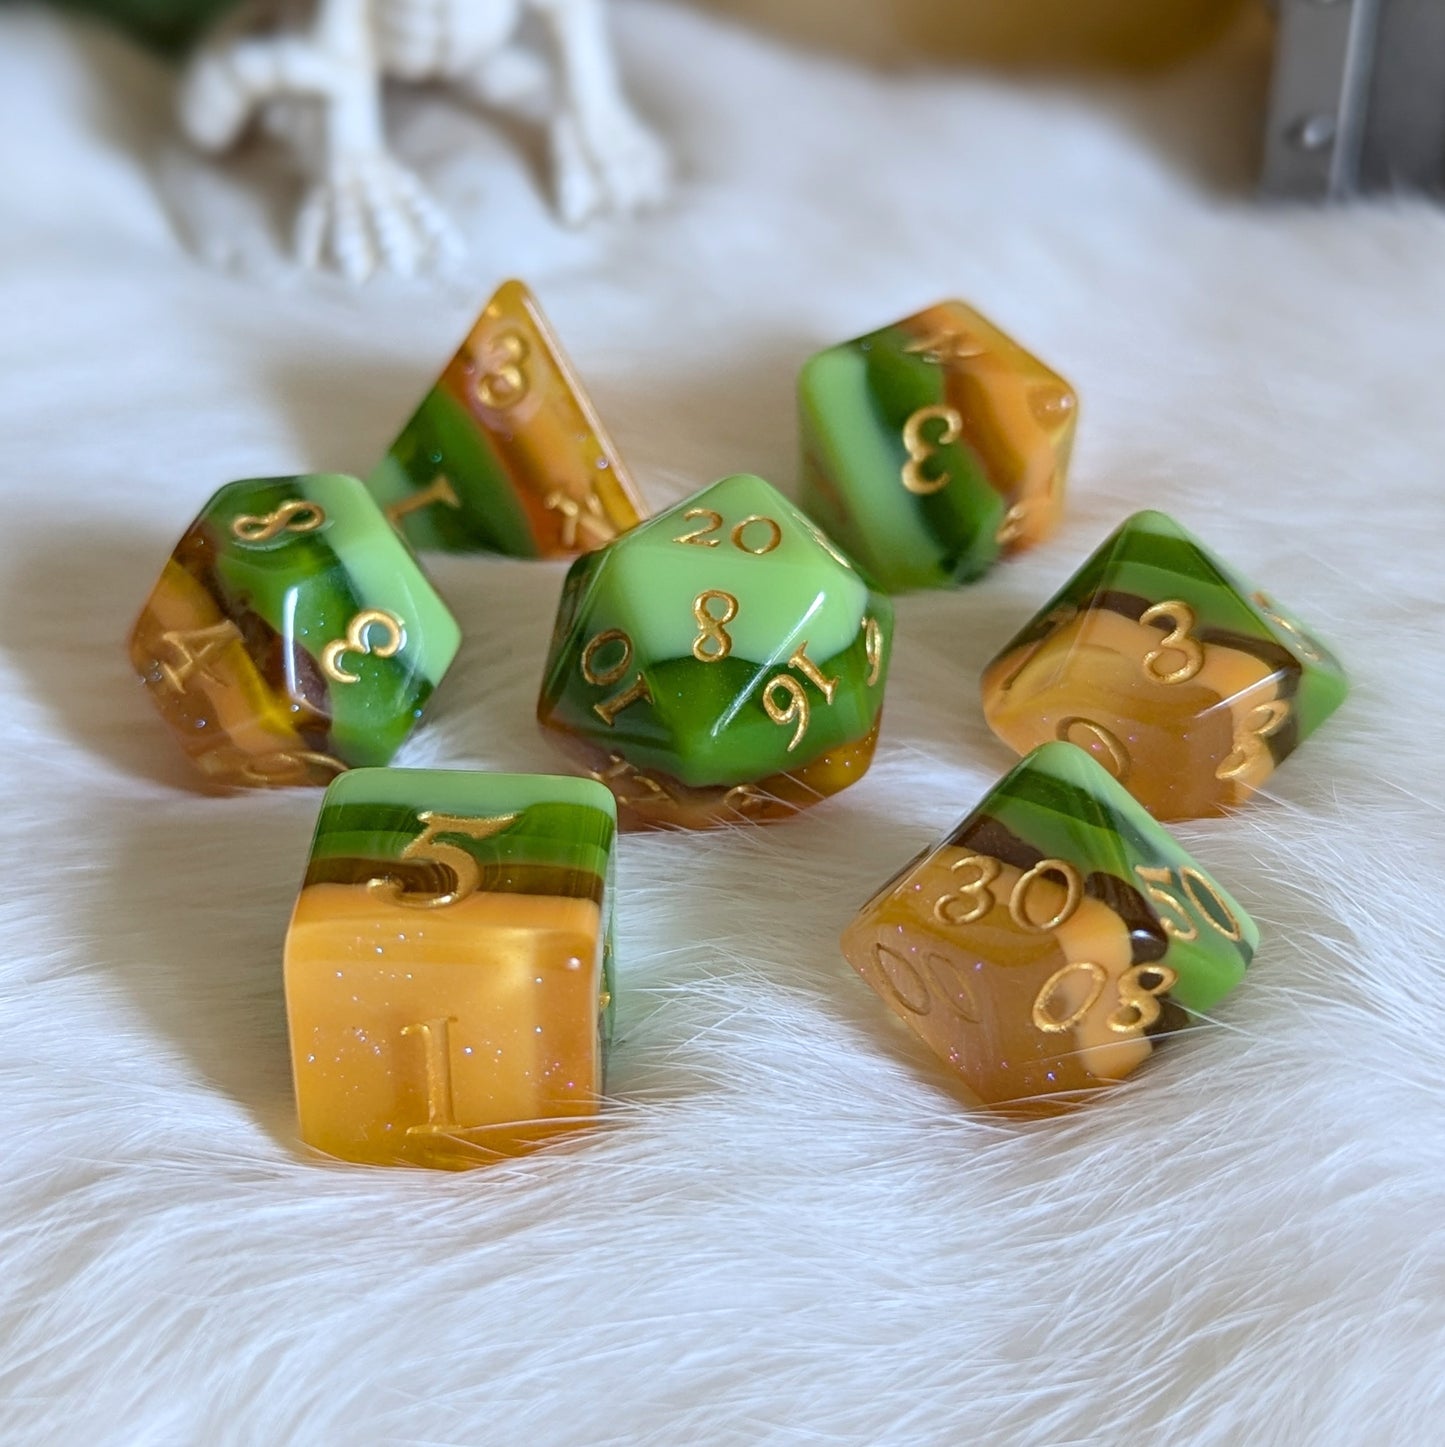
x=505, y=453
x=448, y=966
x=720, y=663
x=933, y=446
x=292, y=634
x=1188, y=685
x=1049, y=943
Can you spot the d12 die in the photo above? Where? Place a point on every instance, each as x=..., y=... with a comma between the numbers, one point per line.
x=722, y=662
x=933, y=446
x=506, y=453
x=292, y=634
x=1049, y=943
x=448, y=966
x=1188, y=685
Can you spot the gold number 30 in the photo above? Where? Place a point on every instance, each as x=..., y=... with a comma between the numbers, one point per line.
x=465, y=871
x=920, y=449
x=358, y=640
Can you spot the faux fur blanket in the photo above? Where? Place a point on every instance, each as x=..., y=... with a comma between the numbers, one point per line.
x=789, y=1230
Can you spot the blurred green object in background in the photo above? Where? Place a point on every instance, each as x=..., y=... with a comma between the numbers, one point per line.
x=165, y=24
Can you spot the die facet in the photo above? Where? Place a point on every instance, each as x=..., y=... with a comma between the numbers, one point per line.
x=1048, y=944
x=1186, y=683
x=292, y=634
x=506, y=453
x=721, y=663
x=448, y=966
x=933, y=447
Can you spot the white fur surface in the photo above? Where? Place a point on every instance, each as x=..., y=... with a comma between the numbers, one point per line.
x=789, y=1231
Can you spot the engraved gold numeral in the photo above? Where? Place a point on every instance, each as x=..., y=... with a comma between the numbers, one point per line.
x=636, y=692
x=1084, y=733
x=619, y=774
x=703, y=537
x=921, y=450
x=712, y=625
x=280, y=770
x=1180, y=617
x=1139, y=991
x=944, y=345
x=436, y=1041
x=426, y=848
x=296, y=516
x=873, y=648
x=1178, y=923
x=981, y=898
x=586, y=516
x=359, y=640
x=1012, y=525
x=505, y=382
x=743, y=797
x=1045, y=1019
x=439, y=490
x=1263, y=721
x=905, y=983
x=796, y=709
x=194, y=648
x=1309, y=650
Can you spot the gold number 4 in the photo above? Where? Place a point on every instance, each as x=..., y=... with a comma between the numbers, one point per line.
x=921, y=450
x=358, y=640
x=194, y=648
x=440, y=490
x=1184, y=903
x=426, y=848
x=586, y=516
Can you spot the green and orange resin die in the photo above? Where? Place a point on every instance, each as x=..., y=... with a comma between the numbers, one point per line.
x=292, y=634
x=1188, y=684
x=721, y=663
x=933, y=447
x=448, y=966
x=506, y=453
x=1052, y=941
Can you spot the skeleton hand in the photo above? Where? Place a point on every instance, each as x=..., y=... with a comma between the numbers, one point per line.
x=617, y=166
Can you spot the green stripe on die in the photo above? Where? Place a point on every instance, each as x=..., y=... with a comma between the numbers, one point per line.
x=1069, y=807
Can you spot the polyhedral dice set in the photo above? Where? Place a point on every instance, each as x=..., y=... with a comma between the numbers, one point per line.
x=448, y=969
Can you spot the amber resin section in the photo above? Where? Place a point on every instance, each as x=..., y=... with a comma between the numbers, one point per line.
x=1186, y=683
x=1050, y=943
x=506, y=453
x=448, y=966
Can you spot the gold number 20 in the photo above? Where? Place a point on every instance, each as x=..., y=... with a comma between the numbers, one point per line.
x=465, y=871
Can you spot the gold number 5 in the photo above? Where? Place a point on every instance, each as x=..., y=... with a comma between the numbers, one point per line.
x=358, y=640
x=920, y=449
x=465, y=871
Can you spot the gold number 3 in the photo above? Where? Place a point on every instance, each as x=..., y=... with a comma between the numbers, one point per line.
x=505, y=383
x=1180, y=617
x=465, y=871
x=358, y=640
x=920, y=449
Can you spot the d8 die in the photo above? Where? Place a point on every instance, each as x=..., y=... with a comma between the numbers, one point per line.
x=933, y=446
x=1049, y=943
x=292, y=634
x=506, y=453
x=1188, y=685
x=722, y=662
x=448, y=966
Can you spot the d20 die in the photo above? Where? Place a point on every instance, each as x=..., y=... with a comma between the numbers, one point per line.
x=1186, y=683
x=1049, y=943
x=292, y=634
x=934, y=446
x=722, y=662
x=448, y=966
x=506, y=453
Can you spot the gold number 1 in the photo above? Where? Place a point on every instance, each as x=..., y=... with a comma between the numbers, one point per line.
x=436, y=1041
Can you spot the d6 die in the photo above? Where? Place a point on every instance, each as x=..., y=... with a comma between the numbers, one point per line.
x=933, y=446
x=448, y=966
x=1053, y=939
x=291, y=634
x=506, y=453
x=1188, y=685
x=722, y=662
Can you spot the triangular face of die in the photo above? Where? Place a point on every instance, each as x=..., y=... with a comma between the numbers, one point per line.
x=1046, y=944
x=506, y=453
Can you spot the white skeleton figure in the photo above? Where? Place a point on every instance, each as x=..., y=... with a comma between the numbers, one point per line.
x=366, y=210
